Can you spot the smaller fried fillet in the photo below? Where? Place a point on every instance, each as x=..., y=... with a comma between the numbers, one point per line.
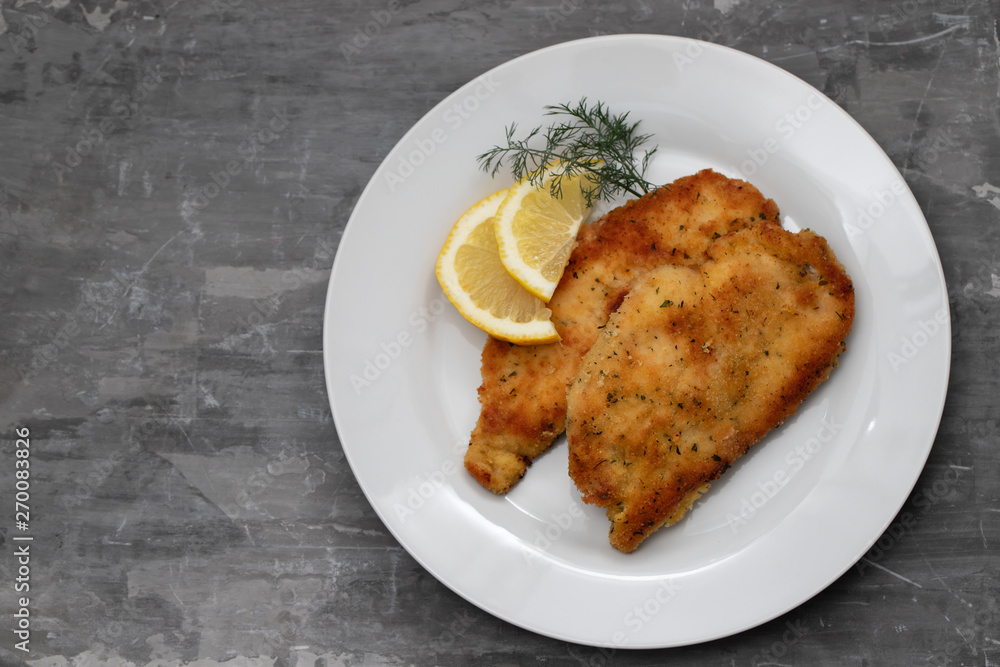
x=698, y=364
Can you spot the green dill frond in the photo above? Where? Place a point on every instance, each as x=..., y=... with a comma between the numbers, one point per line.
x=588, y=140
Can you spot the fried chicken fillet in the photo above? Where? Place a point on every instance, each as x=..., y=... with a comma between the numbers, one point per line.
x=523, y=393
x=698, y=364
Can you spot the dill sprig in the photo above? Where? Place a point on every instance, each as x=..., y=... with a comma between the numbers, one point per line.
x=592, y=141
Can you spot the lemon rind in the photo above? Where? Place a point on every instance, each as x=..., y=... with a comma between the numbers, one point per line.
x=524, y=333
x=528, y=277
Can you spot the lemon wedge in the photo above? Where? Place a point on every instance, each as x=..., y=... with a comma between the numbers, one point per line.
x=536, y=231
x=475, y=281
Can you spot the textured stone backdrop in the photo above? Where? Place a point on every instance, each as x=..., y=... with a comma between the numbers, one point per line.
x=175, y=177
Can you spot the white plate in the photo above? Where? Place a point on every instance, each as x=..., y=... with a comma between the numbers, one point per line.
x=402, y=367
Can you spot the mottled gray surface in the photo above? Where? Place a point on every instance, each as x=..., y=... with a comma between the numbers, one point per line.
x=161, y=337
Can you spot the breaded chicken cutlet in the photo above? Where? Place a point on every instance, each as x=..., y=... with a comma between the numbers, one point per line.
x=698, y=364
x=523, y=393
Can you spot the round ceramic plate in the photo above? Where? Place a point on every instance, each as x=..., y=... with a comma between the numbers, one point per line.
x=402, y=366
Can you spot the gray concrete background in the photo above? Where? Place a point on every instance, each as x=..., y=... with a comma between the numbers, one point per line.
x=161, y=339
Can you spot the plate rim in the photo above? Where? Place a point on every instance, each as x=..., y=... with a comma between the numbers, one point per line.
x=944, y=341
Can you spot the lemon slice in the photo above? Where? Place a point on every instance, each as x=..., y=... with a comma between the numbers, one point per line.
x=475, y=280
x=536, y=231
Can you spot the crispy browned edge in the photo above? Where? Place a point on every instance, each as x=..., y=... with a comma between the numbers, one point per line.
x=671, y=505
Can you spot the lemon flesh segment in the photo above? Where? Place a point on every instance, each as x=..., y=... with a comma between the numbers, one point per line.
x=536, y=231
x=475, y=281
x=545, y=229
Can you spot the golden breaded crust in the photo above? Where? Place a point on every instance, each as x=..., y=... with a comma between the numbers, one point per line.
x=523, y=393
x=697, y=365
